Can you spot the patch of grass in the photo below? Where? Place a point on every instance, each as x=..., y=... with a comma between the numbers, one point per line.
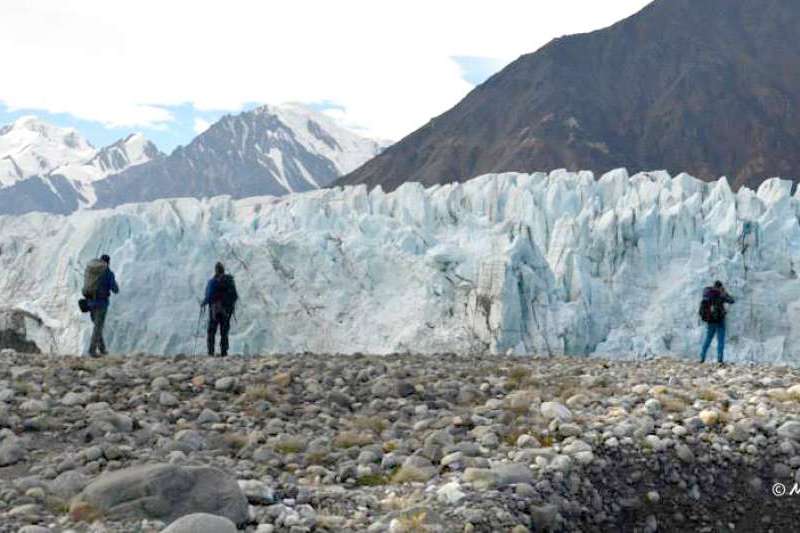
x=410, y=474
x=672, y=404
x=709, y=395
x=349, y=439
x=23, y=387
x=546, y=440
x=255, y=393
x=395, y=502
x=518, y=376
x=375, y=424
x=319, y=458
x=236, y=441
x=84, y=512
x=415, y=522
x=56, y=505
x=372, y=480
x=290, y=445
x=511, y=437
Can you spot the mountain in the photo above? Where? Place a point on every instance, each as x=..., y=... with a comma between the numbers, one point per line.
x=29, y=147
x=272, y=150
x=52, y=169
x=711, y=87
x=537, y=264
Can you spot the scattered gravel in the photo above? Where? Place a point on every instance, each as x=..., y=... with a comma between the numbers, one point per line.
x=397, y=443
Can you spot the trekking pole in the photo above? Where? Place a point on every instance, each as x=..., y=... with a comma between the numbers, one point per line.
x=197, y=332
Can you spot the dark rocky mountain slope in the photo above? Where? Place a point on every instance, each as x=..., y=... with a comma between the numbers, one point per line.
x=710, y=87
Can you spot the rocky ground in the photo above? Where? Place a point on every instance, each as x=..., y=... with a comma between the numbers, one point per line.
x=400, y=443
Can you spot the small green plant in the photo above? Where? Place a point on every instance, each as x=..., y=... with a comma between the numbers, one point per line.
x=518, y=376
x=410, y=474
x=290, y=445
x=255, y=393
x=372, y=480
x=415, y=522
x=511, y=437
x=375, y=424
x=349, y=439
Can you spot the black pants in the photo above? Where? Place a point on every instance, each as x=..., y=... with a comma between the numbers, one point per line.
x=218, y=318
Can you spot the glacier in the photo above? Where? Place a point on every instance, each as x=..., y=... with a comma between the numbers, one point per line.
x=541, y=264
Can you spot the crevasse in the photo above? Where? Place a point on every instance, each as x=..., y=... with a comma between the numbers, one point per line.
x=533, y=264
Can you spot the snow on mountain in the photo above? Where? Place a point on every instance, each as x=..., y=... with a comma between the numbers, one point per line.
x=540, y=264
x=123, y=154
x=54, y=169
x=272, y=150
x=29, y=147
x=322, y=135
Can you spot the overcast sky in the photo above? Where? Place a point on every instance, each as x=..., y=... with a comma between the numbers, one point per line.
x=168, y=68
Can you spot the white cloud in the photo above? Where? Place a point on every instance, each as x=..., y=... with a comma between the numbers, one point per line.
x=387, y=64
x=201, y=125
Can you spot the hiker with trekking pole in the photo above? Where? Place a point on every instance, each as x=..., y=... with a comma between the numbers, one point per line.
x=220, y=298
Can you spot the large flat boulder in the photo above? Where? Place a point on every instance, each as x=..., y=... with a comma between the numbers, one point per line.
x=162, y=492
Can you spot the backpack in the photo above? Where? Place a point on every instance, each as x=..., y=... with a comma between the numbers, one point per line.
x=92, y=276
x=712, y=310
x=225, y=293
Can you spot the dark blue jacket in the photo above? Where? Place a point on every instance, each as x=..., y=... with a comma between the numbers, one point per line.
x=717, y=297
x=211, y=289
x=105, y=286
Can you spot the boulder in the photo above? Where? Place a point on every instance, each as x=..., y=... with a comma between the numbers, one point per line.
x=163, y=492
x=201, y=523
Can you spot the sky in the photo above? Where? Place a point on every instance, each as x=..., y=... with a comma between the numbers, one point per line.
x=169, y=69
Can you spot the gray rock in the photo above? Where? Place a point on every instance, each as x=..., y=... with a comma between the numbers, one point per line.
x=201, y=523
x=225, y=384
x=790, y=430
x=34, y=529
x=257, y=492
x=11, y=451
x=207, y=416
x=165, y=492
x=405, y=389
x=511, y=473
x=556, y=410
x=544, y=516
x=72, y=398
x=190, y=440
x=160, y=383
x=167, y=400
x=68, y=484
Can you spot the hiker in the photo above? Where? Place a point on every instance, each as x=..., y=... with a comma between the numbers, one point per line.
x=712, y=312
x=221, y=300
x=99, y=283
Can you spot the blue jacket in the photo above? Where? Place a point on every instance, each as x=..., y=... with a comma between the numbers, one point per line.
x=717, y=297
x=105, y=286
x=211, y=289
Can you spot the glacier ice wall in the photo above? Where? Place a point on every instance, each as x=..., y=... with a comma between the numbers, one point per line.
x=535, y=264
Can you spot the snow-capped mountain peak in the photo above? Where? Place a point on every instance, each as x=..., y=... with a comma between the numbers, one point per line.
x=30, y=147
x=321, y=134
x=49, y=168
x=135, y=149
x=272, y=150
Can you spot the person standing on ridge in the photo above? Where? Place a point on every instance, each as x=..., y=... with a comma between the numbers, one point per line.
x=221, y=297
x=98, y=284
x=712, y=312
